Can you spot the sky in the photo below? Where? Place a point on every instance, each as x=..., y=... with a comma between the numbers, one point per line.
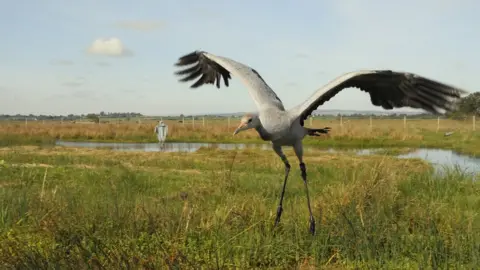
x=61, y=57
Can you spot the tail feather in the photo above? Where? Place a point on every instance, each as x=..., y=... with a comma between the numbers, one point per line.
x=317, y=131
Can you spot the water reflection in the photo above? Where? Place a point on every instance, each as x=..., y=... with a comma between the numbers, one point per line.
x=439, y=158
x=161, y=147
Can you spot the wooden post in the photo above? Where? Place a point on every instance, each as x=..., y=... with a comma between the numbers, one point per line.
x=183, y=120
x=404, y=121
x=473, y=123
x=311, y=125
x=26, y=121
x=341, y=124
x=193, y=121
x=203, y=121
x=438, y=124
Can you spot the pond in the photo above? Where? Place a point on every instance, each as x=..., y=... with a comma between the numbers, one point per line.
x=439, y=158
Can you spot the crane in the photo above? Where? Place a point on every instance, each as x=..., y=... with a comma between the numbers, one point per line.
x=387, y=89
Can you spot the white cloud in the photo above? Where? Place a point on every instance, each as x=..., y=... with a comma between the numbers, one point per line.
x=140, y=25
x=109, y=46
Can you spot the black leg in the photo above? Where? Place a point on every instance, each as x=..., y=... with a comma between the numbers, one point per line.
x=280, y=209
x=304, y=177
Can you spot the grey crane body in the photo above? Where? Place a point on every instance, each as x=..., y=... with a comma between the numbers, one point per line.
x=388, y=89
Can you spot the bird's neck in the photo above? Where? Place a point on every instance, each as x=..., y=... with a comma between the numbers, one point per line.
x=262, y=132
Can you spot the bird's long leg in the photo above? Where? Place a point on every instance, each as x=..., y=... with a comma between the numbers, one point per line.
x=298, y=148
x=278, y=150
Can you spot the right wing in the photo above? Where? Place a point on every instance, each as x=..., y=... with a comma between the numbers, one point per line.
x=387, y=89
x=212, y=68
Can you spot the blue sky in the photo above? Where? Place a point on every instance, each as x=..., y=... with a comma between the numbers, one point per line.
x=48, y=65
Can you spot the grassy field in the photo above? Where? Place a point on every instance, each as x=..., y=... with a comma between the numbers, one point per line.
x=213, y=209
x=351, y=133
x=81, y=208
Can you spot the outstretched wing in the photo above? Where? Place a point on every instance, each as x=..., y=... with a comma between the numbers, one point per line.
x=213, y=68
x=388, y=89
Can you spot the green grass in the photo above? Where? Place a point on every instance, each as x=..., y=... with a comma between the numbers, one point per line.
x=81, y=208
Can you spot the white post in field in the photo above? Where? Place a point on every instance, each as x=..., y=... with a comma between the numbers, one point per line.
x=183, y=120
x=203, y=121
x=473, y=123
x=311, y=125
x=193, y=121
x=404, y=121
x=438, y=124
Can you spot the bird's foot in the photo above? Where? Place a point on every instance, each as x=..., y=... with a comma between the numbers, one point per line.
x=312, y=225
x=279, y=214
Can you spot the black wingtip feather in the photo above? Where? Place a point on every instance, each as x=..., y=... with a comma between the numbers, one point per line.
x=390, y=89
x=209, y=70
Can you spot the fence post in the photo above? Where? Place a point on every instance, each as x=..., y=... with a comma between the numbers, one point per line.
x=404, y=122
x=438, y=124
x=341, y=124
x=371, y=124
x=311, y=125
x=473, y=123
x=26, y=121
x=183, y=121
x=203, y=121
x=193, y=121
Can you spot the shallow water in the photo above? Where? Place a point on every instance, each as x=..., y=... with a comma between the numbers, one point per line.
x=165, y=147
x=439, y=158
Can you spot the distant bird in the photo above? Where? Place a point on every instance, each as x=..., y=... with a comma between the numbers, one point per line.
x=388, y=89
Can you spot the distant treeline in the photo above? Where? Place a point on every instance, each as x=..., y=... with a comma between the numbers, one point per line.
x=132, y=116
x=70, y=117
x=467, y=106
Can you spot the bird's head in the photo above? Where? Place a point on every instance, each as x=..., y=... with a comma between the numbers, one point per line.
x=248, y=121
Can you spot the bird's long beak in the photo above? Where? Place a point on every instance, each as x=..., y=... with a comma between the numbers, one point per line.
x=241, y=127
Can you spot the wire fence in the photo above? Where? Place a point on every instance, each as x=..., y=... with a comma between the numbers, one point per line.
x=341, y=122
